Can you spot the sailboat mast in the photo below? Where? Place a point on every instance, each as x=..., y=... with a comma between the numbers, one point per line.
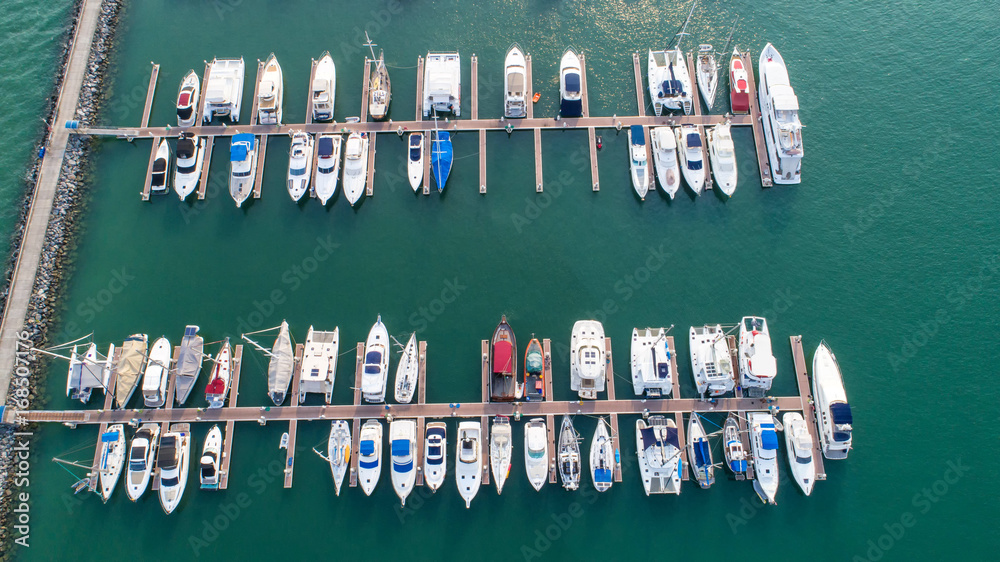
x=688, y=20
x=730, y=38
x=258, y=346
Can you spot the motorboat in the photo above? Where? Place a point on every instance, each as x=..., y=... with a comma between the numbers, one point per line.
x=218, y=383
x=736, y=456
x=187, y=99
x=515, y=84
x=689, y=147
x=157, y=374
x=669, y=81
x=355, y=166
x=189, y=362
x=279, y=368
x=415, y=160
x=701, y=452
x=587, y=358
x=224, y=89
x=570, y=85
x=764, y=448
x=536, y=452
x=243, y=166
x=603, y=456
x=112, y=459
x=779, y=114
x=407, y=371
x=319, y=363
x=659, y=453
x=711, y=361
x=141, y=457
x=722, y=154
x=300, y=156
x=503, y=364
x=435, y=455
x=211, y=457
x=442, y=84
x=706, y=69
x=442, y=157
x=469, y=460
x=664, y=145
x=159, y=175
x=327, y=166
x=739, y=85
x=172, y=461
x=370, y=455
x=757, y=366
x=379, y=89
x=270, y=93
x=86, y=373
x=403, y=450
x=190, y=158
x=638, y=160
x=568, y=455
x=324, y=88
x=501, y=450
x=833, y=412
x=375, y=373
x=338, y=451
x=534, y=372
x=652, y=374
x=799, y=445
x=131, y=363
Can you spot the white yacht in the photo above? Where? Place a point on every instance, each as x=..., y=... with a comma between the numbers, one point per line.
x=669, y=81
x=190, y=158
x=501, y=450
x=732, y=446
x=664, y=146
x=338, y=451
x=370, y=455
x=799, y=445
x=723, y=157
x=515, y=84
x=375, y=374
x=327, y=166
x=300, y=157
x=587, y=358
x=319, y=363
x=435, y=455
x=224, y=89
x=415, y=160
x=602, y=457
x=469, y=460
x=707, y=71
x=570, y=85
x=355, y=166
x=407, y=371
x=159, y=176
x=689, y=147
x=112, y=459
x=154, y=380
x=711, y=360
x=172, y=461
x=779, y=113
x=757, y=366
x=536, y=452
x=85, y=374
x=659, y=454
x=218, y=383
x=211, y=459
x=568, y=455
x=651, y=355
x=403, y=450
x=243, y=166
x=833, y=412
x=764, y=448
x=187, y=99
x=324, y=88
x=141, y=456
x=638, y=160
x=270, y=93
x=442, y=84
x=700, y=450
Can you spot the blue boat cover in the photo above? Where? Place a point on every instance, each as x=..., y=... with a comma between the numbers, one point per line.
x=672, y=88
x=694, y=140
x=841, y=412
x=188, y=332
x=663, y=370
x=365, y=464
x=637, y=137
x=109, y=437
x=372, y=369
x=571, y=108
x=441, y=157
x=572, y=82
x=373, y=357
x=672, y=437
x=648, y=438
x=602, y=475
x=738, y=466
x=701, y=454
x=367, y=447
x=694, y=164
x=400, y=447
x=240, y=148
x=769, y=439
x=325, y=146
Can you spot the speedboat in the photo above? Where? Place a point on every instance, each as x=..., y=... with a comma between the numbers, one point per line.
x=602, y=457
x=435, y=455
x=407, y=371
x=159, y=176
x=130, y=364
x=469, y=463
x=355, y=166
x=154, y=380
x=338, y=451
x=711, y=361
x=300, y=156
x=379, y=89
x=187, y=99
x=403, y=448
x=375, y=375
x=757, y=366
x=515, y=84
x=190, y=154
x=442, y=84
x=370, y=459
x=189, y=361
x=779, y=114
x=833, y=413
x=501, y=450
x=112, y=459
x=587, y=358
x=243, y=166
x=536, y=452
x=211, y=456
x=723, y=157
x=570, y=88
x=707, y=70
x=442, y=157
x=415, y=160
x=638, y=160
x=324, y=88
x=534, y=374
x=669, y=81
x=279, y=368
x=764, y=447
x=659, y=454
x=172, y=460
x=503, y=361
x=739, y=86
x=651, y=354
x=218, y=383
x=664, y=147
x=692, y=159
x=141, y=455
x=327, y=166
x=736, y=457
x=319, y=363
x=799, y=445
x=569, y=455
x=270, y=93
x=701, y=452
x=85, y=374
x=224, y=89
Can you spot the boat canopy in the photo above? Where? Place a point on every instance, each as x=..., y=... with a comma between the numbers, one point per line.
x=572, y=83
x=242, y=144
x=109, y=437
x=502, y=352
x=325, y=146
x=185, y=148
x=784, y=98
x=841, y=412
x=435, y=431
x=215, y=386
x=533, y=362
x=694, y=140
x=367, y=447
x=159, y=165
x=571, y=108
x=702, y=456
x=515, y=83
x=602, y=474
x=400, y=447
x=373, y=357
x=638, y=138
x=434, y=456
x=168, y=452
x=663, y=370
x=671, y=88
x=768, y=438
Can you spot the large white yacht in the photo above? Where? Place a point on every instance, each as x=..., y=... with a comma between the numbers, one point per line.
x=188, y=97
x=570, y=85
x=327, y=166
x=501, y=450
x=270, y=93
x=324, y=88
x=669, y=81
x=141, y=457
x=651, y=354
x=664, y=145
x=154, y=380
x=319, y=363
x=403, y=451
x=190, y=157
x=723, y=157
x=300, y=157
x=172, y=461
x=833, y=413
x=757, y=366
x=243, y=166
x=370, y=455
x=442, y=84
x=375, y=375
x=779, y=113
x=659, y=452
x=638, y=160
x=536, y=452
x=515, y=84
x=799, y=445
x=587, y=358
x=764, y=447
x=355, y=166
x=689, y=147
x=211, y=459
x=711, y=361
x=224, y=89
x=435, y=455
x=469, y=460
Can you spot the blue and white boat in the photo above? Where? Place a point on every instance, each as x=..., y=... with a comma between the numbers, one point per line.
x=441, y=158
x=602, y=457
x=570, y=85
x=659, y=451
x=370, y=459
x=403, y=441
x=833, y=412
x=701, y=452
x=764, y=446
x=243, y=166
x=736, y=456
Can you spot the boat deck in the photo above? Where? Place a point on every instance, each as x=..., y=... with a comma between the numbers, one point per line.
x=293, y=424
x=227, y=443
x=205, y=165
x=640, y=92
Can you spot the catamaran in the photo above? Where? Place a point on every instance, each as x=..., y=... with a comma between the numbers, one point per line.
x=159, y=176
x=141, y=455
x=370, y=459
x=692, y=160
x=319, y=363
x=651, y=356
x=324, y=88
x=707, y=71
x=659, y=452
x=407, y=371
x=154, y=380
x=669, y=82
x=435, y=455
x=711, y=361
x=736, y=458
x=112, y=459
x=189, y=361
x=211, y=456
x=243, y=166
x=515, y=84
x=568, y=456
x=224, y=89
x=587, y=358
x=375, y=375
x=638, y=160
x=501, y=450
x=327, y=166
x=534, y=374
x=218, y=383
x=779, y=111
x=403, y=449
x=190, y=155
x=87, y=373
x=415, y=160
x=187, y=99
x=764, y=446
x=701, y=452
x=757, y=366
x=172, y=461
x=503, y=360
x=300, y=156
x=664, y=147
x=602, y=457
x=799, y=445
x=442, y=157
x=570, y=88
x=469, y=463
x=130, y=364
x=442, y=84
x=270, y=93
x=355, y=166
x=723, y=157
x=536, y=452
x=833, y=412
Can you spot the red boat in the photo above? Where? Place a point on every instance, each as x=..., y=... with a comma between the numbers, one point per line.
x=503, y=364
x=739, y=87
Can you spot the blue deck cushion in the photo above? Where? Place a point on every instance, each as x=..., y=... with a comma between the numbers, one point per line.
x=371, y=464
x=373, y=357
x=694, y=140
x=109, y=437
x=637, y=137
x=367, y=447
x=325, y=146
x=400, y=447
x=769, y=439
x=403, y=467
x=841, y=412
x=663, y=370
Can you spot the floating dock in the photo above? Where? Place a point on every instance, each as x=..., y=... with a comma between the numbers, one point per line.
x=149, y=94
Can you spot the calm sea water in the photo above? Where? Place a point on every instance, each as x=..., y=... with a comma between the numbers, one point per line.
x=887, y=250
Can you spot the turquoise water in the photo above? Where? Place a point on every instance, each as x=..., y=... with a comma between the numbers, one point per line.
x=885, y=250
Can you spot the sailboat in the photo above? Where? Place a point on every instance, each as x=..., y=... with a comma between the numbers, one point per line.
x=701, y=452
x=379, y=87
x=707, y=71
x=218, y=383
x=189, y=361
x=736, y=457
x=112, y=459
x=130, y=365
x=441, y=157
x=279, y=369
x=501, y=450
x=338, y=451
x=407, y=371
x=602, y=457
x=85, y=373
x=568, y=455
x=659, y=452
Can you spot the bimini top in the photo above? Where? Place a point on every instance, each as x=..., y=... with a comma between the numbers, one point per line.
x=185, y=148
x=602, y=475
x=671, y=88
x=109, y=437
x=242, y=144
x=841, y=413
x=572, y=82
x=367, y=447
x=768, y=438
x=400, y=447
x=638, y=138
x=649, y=437
x=325, y=146
x=502, y=358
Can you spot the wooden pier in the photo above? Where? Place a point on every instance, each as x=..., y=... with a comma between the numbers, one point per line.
x=149, y=94
x=741, y=416
x=538, y=160
x=261, y=153
x=109, y=395
x=293, y=424
x=696, y=107
x=482, y=132
x=808, y=410
x=206, y=163
x=256, y=92
x=227, y=439
x=640, y=92
x=757, y=124
x=610, y=374
x=370, y=181
x=365, y=83
x=356, y=429
x=584, y=95
x=203, y=97
x=421, y=399
x=678, y=416
x=484, y=420
x=147, y=184
x=309, y=97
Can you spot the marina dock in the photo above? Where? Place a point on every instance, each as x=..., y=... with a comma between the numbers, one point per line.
x=359, y=366
x=734, y=357
x=609, y=372
x=757, y=124
x=206, y=162
x=808, y=411
x=309, y=98
x=227, y=443
x=149, y=94
x=293, y=424
x=482, y=132
x=678, y=416
x=365, y=83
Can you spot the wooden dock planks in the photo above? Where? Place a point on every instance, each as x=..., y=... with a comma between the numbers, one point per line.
x=550, y=424
x=420, y=89
x=427, y=163
x=482, y=161
x=485, y=420
x=475, y=86
x=365, y=83
x=149, y=95
x=293, y=424
x=808, y=410
x=584, y=95
x=538, y=160
x=256, y=91
x=370, y=181
x=610, y=374
x=227, y=439
x=420, y=451
x=758, y=125
x=529, y=91
x=594, y=176
x=696, y=106
x=639, y=91
x=204, y=86
x=421, y=399
x=168, y=402
x=206, y=163
x=547, y=369
x=147, y=185
x=309, y=97
x=475, y=115
x=678, y=416
x=741, y=415
x=261, y=153
x=356, y=429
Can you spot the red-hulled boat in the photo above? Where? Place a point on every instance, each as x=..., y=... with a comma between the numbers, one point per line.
x=503, y=364
x=218, y=383
x=739, y=87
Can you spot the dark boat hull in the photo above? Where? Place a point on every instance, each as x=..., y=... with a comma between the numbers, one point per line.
x=503, y=364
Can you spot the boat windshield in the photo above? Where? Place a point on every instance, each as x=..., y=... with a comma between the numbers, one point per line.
x=297, y=171
x=137, y=465
x=186, y=169
x=694, y=164
x=415, y=153
x=185, y=112
x=169, y=482
x=536, y=454
x=326, y=170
